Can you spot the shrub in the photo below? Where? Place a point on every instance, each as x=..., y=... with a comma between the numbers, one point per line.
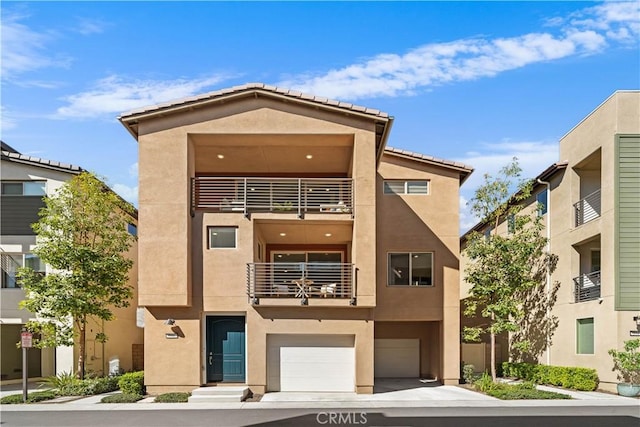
x=121, y=398
x=37, y=396
x=583, y=379
x=523, y=391
x=132, y=383
x=467, y=373
x=173, y=398
x=485, y=383
x=71, y=386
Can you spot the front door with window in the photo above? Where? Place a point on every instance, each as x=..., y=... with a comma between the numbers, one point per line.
x=225, y=352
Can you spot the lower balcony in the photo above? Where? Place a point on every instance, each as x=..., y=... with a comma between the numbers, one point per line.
x=587, y=287
x=300, y=282
x=587, y=209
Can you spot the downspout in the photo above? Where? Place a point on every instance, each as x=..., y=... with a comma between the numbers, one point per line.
x=548, y=287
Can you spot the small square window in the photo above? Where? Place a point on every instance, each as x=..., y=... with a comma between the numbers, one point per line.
x=410, y=269
x=12, y=188
x=33, y=188
x=222, y=237
x=132, y=229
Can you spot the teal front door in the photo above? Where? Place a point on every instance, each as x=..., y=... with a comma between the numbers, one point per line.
x=225, y=349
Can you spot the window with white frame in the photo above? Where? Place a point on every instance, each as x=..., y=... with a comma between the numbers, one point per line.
x=12, y=262
x=222, y=237
x=406, y=187
x=410, y=269
x=23, y=188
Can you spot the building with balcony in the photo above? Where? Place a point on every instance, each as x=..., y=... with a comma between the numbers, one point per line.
x=591, y=207
x=25, y=181
x=284, y=247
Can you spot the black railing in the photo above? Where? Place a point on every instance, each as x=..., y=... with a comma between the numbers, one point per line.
x=587, y=287
x=587, y=209
x=300, y=280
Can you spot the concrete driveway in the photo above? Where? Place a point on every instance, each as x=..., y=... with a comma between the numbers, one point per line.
x=386, y=389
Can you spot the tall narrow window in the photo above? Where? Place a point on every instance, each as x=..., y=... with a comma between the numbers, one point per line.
x=541, y=198
x=584, y=336
x=10, y=265
x=222, y=237
x=511, y=223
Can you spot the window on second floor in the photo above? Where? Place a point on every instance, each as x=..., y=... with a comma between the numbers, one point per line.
x=132, y=229
x=222, y=237
x=511, y=223
x=406, y=187
x=541, y=198
x=12, y=262
x=23, y=188
x=410, y=269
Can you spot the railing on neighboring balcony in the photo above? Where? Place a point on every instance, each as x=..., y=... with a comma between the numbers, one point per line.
x=587, y=287
x=587, y=209
x=292, y=195
x=300, y=280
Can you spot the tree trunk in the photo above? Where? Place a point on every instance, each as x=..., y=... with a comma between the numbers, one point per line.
x=493, y=352
x=81, y=350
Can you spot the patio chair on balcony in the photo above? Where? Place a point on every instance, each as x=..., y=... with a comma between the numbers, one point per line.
x=282, y=290
x=329, y=290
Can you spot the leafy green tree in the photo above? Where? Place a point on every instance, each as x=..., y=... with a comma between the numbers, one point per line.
x=504, y=268
x=82, y=234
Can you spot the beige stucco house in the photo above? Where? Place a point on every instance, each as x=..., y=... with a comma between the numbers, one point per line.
x=591, y=202
x=25, y=181
x=283, y=246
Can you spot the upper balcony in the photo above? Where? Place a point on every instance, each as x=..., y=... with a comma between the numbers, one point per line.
x=587, y=287
x=249, y=195
x=587, y=209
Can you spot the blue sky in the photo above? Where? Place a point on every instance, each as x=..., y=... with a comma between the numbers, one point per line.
x=477, y=82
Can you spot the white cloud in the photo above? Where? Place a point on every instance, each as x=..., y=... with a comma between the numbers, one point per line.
x=128, y=193
x=467, y=220
x=7, y=121
x=133, y=170
x=24, y=49
x=388, y=74
x=533, y=157
x=88, y=26
x=116, y=94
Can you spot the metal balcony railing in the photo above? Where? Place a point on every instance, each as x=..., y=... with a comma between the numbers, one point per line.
x=300, y=280
x=587, y=209
x=293, y=195
x=587, y=287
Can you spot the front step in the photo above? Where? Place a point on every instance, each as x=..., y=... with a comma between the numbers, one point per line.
x=218, y=394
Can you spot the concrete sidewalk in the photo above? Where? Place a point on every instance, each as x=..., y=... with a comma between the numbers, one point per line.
x=388, y=394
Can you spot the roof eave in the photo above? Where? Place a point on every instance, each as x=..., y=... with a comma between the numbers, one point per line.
x=129, y=120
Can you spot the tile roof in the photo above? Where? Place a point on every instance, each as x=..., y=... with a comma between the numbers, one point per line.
x=423, y=157
x=14, y=156
x=250, y=87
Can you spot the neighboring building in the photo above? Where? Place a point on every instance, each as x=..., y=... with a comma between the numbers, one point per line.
x=282, y=246
x=592, y=216
x=25, y=180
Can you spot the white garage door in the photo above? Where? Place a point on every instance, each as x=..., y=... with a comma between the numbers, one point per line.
x=396, y=358
x=311, y=363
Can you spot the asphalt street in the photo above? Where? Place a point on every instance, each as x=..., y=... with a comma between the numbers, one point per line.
x=549, y=416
